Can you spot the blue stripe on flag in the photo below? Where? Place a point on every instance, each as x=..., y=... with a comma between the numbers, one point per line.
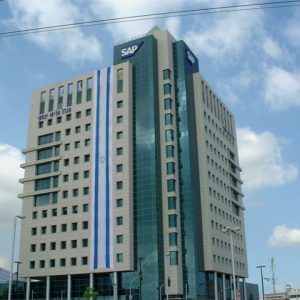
x=107, y=254
x=96, y=174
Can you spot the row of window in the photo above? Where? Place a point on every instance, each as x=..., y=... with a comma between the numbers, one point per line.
x=217, y=226
x=62, y=245
x=76, y=160
x=62, y=262
x=227, y=261
x=60, y=96
x=63, y=228
x=225, y=215
x=54, y=211
x=226, y=246
x=75, y=192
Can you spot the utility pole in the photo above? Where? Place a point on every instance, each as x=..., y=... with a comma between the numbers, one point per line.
x=262, y=280
x=273, y=274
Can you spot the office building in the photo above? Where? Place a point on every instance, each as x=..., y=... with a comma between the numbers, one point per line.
x=133, y=170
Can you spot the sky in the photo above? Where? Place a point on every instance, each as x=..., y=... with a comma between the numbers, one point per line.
x=250, y=58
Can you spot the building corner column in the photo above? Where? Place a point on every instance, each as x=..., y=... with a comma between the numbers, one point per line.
x=216, y=285
x=47, y=287
x=69, y=287
x=224, y=286
x=115, y=286
x=28, y=288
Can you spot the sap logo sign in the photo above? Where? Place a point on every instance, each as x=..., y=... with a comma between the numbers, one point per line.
x=190, y=57
x=130, y=51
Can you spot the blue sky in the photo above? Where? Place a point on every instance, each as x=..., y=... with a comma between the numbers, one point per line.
x=251, y=59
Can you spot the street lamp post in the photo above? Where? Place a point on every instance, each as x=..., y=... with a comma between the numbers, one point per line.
x=130, y=296
x=231, y=230
x=160, y=290
x=262, y=280
x=167, y=275
x=13, y=254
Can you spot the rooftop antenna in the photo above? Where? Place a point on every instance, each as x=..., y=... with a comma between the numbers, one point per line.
x=273, y=274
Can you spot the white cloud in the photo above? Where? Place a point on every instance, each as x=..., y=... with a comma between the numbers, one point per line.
x=282, y=89
x=292, y=30
x=10, y=173
x=72, y=46
x=272, y=48
x=261, y=160
x=225, y=35
x=284, y=236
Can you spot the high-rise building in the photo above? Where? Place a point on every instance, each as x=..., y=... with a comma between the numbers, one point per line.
x=131, y=175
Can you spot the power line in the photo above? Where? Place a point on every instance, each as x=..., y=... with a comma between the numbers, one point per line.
x=135, y=18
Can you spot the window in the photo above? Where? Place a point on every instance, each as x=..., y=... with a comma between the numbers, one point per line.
x=45, y=139
x=63, y=245
x=88, y=112
x=119, y=135
x=87, y=142
x=120, y=75
x=63, y=227
x=41, y=124
x=84, y=243
x=33, y=231
x=86, y=191
x=166, y=74
x=52, y=263
x=78, y=114
x=70, y=94
x=56, y=166
x=86, y=174
x=74, y=226
x=68, y=117
x=44, y=213
x=74, y=244
x=87, y=158
x=42, y=103
x=67, y=131
x=76, y=160
x=85, y=207
x=89, y=86
x=119, y=220
x=50, y=122
x=119, y=151
x=84, y=260
x=75, y=209
x=77, y=129
x=34, y=214
x=43, y=169
x=73, y=261
x=167, y=88
x=119, y=202
x=171, y=185
x=85, y=225
x=173, y=238
x=51, y=100
x=119, y=257
x=170, y=168
x=172, y=202
x=32, y=264
x=87, y=127
x=173, y=258
x=33, y=247
x=42, y=184
x=119, y=168
x=53, y=228
x=43, y=230
x=169, y=135
x=62, y=262
x=65, y=193
x=45, y=153
x=52, y=246
x=170, y=151
x=168, y=103
x=54, y=212
x=120, y=104
x=119, y=119
x=168, y=119
x=42, y=264
x=75, y=192
x=58, y=120
x=60, y=97
x=40, y=200
x=56, y=150
x=76, y=144
x=172, y=221
x=66, y=162
x=79, y=92
x=75, y=176
x=119, y=185
x=55, y=181
x=120, y=239
x=64, y=211
x=43, y=246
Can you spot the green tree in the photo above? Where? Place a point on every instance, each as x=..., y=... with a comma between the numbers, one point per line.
x=90, y=293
